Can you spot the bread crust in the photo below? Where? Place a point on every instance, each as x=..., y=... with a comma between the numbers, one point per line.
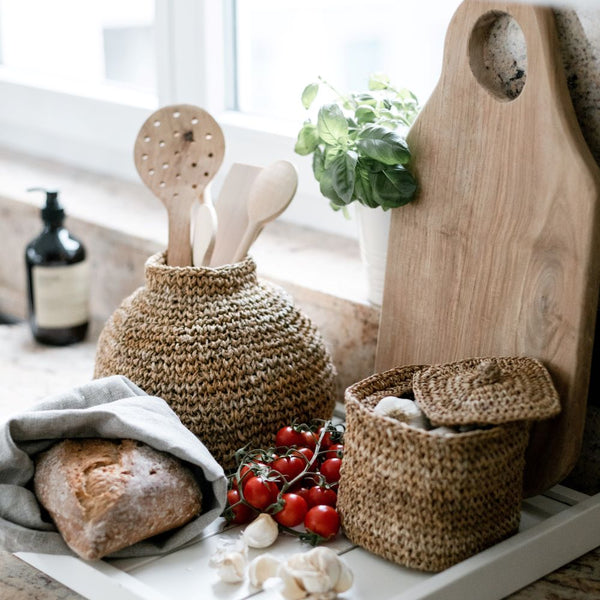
x=104, y=495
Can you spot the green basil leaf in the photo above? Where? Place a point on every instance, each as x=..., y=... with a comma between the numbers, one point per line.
x=318, y=163
x=308, y=139
x=331, y=153
x=327, y=189
x=332, y=125
x=367, y=99
x=393, y=187
x=309, y=94
x=378, y=81
x=391, y=125
x=352, y=124
x=370, y=165
x=362, y=187
x=365, y=114
x=343, y=168
x=383, y=145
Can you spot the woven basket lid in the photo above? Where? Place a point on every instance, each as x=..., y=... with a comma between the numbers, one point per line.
x=486, y=391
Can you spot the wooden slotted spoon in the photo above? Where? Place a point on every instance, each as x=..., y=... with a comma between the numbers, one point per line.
x=177, y=152
x=270, y=194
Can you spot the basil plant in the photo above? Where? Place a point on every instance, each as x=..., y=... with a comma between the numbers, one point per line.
x=359, y=152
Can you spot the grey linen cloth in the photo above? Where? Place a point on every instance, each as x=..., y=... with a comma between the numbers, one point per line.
x=112, y=407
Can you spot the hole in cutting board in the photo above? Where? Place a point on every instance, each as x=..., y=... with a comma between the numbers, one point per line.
x=498, y=55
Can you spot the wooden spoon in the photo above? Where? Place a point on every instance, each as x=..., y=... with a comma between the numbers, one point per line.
x=177, y=152
x=270, y=194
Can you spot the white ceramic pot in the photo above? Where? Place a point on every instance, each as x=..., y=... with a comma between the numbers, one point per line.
x=373, y=234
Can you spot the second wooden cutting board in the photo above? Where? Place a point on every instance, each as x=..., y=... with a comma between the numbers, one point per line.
x=499, y=255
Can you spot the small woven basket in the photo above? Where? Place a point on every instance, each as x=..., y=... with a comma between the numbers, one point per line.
x=230, y=354
x=422, y=500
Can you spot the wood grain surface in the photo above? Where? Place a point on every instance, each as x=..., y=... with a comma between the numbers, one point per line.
x=499, y=254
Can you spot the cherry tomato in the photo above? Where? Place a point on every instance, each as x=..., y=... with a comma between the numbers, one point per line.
x=330, y=469
x=326, y=441
x=334, y=451
x=300, y=490
x=259, y=493
x=288, y=436
x=241, y=512
x=289, y=466
x=323, y=520
x=253, y=468
x=321, y=495
x=293, y=512
x=307, y=453
x=246, y=473
x=310, y=439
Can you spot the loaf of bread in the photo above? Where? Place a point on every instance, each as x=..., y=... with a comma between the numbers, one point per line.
x=105, y=495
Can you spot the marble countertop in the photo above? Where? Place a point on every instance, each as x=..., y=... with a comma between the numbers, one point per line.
x=30, y=372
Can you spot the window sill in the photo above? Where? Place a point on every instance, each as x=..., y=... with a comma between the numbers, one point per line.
x=122, y=223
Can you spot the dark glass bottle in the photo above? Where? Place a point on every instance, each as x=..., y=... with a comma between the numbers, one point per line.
x=58, y=280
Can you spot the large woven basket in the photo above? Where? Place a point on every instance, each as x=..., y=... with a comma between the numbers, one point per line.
x=422, y=500
x=232, y=355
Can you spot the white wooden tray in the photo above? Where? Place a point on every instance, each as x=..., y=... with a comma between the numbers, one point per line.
x=556, y=527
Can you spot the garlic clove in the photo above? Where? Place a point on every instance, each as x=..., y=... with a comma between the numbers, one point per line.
x=230, y=567
x=229, y=559
x=320, y=572
x=289, y=587
x=327, y=566
x=345, y=580
x=262, y=532
x=263, y=567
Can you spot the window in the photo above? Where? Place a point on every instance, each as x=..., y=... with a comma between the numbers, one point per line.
x=77, y=79
x=73, y=45
x=283, y=46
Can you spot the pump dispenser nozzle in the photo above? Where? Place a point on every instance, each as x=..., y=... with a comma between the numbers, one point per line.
x=53, y=212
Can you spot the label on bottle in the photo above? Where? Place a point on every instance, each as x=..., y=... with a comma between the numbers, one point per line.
x=61, y=295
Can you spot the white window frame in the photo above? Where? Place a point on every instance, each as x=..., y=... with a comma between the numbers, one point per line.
x=98, y=133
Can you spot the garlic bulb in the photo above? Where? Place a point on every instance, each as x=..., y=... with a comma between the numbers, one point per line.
x=262, y=568
x=402, y=409
x=229, y=560
x=262, y=532
x=318, y=574
x=443, y=431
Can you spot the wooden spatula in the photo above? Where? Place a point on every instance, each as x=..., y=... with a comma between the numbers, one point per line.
x=177, y=151
x=231, y=211
x=270, y=194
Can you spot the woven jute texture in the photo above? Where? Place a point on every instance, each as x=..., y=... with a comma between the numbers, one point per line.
x=232, y=355
x=487, y=390
x=421, y=500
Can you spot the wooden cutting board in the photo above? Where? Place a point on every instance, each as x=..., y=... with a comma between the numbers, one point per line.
x=499, y=255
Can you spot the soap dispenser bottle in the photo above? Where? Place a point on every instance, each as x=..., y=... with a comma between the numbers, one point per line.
x=58, y=279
